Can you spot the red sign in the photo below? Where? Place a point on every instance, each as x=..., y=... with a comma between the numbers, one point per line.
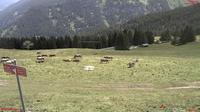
x=13, y=69
x=21, y=71
x=9, y=109
x=192, y=2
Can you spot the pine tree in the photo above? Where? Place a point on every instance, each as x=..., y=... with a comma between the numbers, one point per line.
x=139, y=38
x=60, y=43
x=68, y=42
x=122, y=42
x=165, y=36
x=150, y=37
x=111, y=38
x=104, y=41
x=51, y=43
x=187, y=35
x=76, y=42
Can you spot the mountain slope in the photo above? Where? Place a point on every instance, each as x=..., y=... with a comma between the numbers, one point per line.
x=170, y=20
x=61, y=17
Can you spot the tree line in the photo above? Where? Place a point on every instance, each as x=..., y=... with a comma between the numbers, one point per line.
x=179, y=36
x=121, y=39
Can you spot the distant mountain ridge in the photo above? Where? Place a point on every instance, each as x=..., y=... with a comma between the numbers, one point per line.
x=61, y=17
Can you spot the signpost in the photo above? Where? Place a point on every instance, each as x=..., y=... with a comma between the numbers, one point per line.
x=18, y=71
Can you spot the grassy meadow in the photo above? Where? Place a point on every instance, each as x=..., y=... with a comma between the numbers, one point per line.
x=165, y=75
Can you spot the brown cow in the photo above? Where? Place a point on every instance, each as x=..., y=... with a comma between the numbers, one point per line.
x=76, y=60
x=38, y=52
x=108, y=57
x=39, y=56
x=44, y=55
x=40, y=59
x=13, y=61
x=4, y=59
x=131, y=64
x=104, y=60
x=77, y=56
x=52, y=55
x=67, y=60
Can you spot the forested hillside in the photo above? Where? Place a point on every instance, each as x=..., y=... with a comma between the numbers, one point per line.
x=178, y=26
x=172, y=20
x=60, y=17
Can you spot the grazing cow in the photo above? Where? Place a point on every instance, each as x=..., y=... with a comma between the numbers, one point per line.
x=77, y=56
x=40, y=59
x=108, y=57
x=10, y=61
x=44, y=55
x=4, y=59
x=39, y=56
x=104, y=60
x=76, y=60
x=67, y=60
x=52, y=55
x=38, y=52
x=131, y=64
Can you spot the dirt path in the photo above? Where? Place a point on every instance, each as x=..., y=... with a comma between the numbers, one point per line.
x=184, y=87
x=135, y=86
x=191, y=85
x=144, y=86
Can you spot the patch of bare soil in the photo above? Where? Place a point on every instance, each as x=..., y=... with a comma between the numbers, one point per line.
x=184, y=87
x=192, y=85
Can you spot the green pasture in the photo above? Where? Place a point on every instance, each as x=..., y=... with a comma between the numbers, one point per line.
x=57, y=86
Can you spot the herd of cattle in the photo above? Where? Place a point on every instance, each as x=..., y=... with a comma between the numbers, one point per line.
x=76, y=58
